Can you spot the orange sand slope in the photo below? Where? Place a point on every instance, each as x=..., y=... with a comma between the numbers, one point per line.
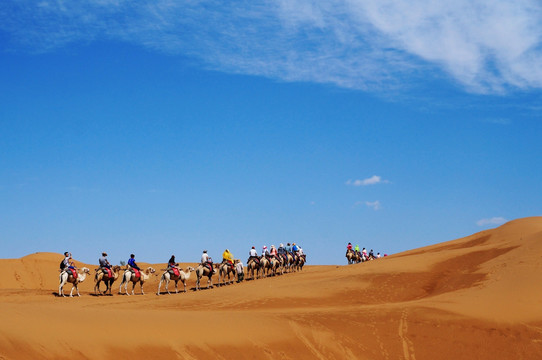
x=479, y=297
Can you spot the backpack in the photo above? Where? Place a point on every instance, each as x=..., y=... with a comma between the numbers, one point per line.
x=62, y=265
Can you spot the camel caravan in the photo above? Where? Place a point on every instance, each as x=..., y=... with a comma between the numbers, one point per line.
x=271, y=262
x=355, y=256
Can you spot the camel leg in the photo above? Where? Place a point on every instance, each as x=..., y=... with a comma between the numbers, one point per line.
x=61, y=286
x=141, y=284
x=121, y=283
x=159, y=286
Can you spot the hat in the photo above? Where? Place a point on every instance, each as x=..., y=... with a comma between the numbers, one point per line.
x=293, y=243
x=253, y=247
x=104, y=254
x=272, y=246
x=281, y=245
x=265, y=247
x=204, y=251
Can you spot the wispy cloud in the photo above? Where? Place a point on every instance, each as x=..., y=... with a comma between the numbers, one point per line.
x=485, y=45
x=375, y=179
x=375, y=205
x=491, y=221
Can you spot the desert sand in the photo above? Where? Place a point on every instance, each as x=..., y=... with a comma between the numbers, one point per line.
x=479, y=297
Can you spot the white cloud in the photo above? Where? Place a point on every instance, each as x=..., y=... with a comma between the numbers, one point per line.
x=375, y=205
x=485, y=45
x=491, y=221
x=369, y=181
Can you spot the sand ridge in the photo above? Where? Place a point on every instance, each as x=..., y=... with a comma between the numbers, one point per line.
x=479, y=297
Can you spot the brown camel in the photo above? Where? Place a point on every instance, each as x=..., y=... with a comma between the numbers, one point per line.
x=352, y=256
x=103, y=276
x=130, y=276
x=169, y=275
x=204, y=271
x=265, y=265
x=224, y=269
x=252, y=266
x=67, y=277
x=291, y=263
x=301, y=262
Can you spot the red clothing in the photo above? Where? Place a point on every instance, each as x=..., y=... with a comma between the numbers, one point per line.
x=349, y=247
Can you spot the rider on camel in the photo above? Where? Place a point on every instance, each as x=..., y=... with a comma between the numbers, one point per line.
x=132, y=263
x=227, y=257
x=253, y=254
x=348, y=248
x=207, y=262
x=105, y=266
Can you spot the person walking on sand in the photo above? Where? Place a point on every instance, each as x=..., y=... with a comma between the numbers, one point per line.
x=240, y=271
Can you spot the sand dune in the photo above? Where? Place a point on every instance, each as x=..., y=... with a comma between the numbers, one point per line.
x=479, y=297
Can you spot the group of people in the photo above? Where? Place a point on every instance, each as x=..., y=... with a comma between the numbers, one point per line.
x=363, y=254
x=227, y=257
x=294, y=250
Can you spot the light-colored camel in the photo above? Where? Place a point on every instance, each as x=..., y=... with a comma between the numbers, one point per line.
x=252, y=266
x=130, y=276
x=300, y=262
x=103, y=276
x=291, y=263
x=226, y=269
x=67, y=277
x=167, y=276
x=275, y=266
x=204, y=271
x=265, y=266
x=351, y=256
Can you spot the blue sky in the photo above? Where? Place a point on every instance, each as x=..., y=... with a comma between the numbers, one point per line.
x=171, y=127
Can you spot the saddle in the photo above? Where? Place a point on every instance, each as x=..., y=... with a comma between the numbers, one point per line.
x=73, y=272
x=108, y=272
x=210, y=267
x=136, y=272
x=174, y=271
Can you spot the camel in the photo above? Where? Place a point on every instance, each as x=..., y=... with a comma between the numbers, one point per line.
x=226, y=269
x=204, y=271
x=265, y=265
x=251, y=266
x=351, y=256
x=274, y=266
x=67, y=277
x=130, y=276
x=291, y=263
x=301, y=262
x=168, y=275
x=103, y=276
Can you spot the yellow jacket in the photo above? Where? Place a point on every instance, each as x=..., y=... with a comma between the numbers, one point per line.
x=227, y=256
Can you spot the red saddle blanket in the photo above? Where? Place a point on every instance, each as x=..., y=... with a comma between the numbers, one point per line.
x=73, y=273
x=137, y=272
x=175, y=271
x=109, y=272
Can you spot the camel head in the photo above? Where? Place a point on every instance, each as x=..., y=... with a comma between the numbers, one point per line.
x=85, y=270
x=115, y=268
x=150, y=270
x=190, y=269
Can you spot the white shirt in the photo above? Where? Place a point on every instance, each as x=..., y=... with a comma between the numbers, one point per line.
x=204, y=258
x=253, y=252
